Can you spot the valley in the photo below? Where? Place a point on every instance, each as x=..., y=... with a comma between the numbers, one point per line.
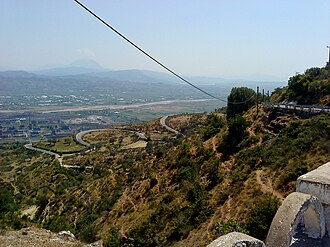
x=144, y=184
x=122, y=190
x=164, y=123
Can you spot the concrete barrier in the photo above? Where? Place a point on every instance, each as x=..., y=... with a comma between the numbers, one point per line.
x=298, y=211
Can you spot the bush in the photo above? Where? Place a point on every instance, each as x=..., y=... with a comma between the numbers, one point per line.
x=86, y=229
x=114, y=239
x=225, y=227
x=310, y=87
x=214, y=123
x=262, y=215
x=89, y=233
x=236, y=134
x=58, y=223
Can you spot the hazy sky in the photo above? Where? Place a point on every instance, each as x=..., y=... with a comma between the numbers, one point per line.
x=232, y=39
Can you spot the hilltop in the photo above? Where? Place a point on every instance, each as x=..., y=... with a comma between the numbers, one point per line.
x=222, y=174
x=311, y=87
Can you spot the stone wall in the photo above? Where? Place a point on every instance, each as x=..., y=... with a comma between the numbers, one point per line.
x=304, y=213
x=317, y=183
x=298, y=211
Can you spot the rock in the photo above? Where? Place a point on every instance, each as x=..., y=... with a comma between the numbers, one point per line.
x=66, y=234
x=316, y=183
x=236, y=239
x=37, y=237
x=95, y=244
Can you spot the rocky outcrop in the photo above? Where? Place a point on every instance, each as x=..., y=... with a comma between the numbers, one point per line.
x=302, y=220
x=305, y=214
x=36, y=237
x=236, y=239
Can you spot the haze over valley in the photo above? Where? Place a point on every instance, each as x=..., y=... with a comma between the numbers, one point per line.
x=164, y=123
x=84, y=92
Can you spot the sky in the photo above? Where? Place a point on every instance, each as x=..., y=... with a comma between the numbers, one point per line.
x=255, y=39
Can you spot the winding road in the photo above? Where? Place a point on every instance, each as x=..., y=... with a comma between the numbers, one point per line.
x=81, y=133
x=88, y=145
x=29, y=146
x=163, y=123
x=57, y=156
x=60, y=157
x=81, y=141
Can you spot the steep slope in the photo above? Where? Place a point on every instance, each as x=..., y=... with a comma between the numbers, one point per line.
x=174, y=192
x=311, y=87
x=223, y=174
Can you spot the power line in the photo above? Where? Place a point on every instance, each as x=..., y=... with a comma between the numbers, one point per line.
x=151, y=57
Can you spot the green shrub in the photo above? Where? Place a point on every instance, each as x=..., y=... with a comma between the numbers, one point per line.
x=58, y=223
x=214, y=123
x=227, y=226
x=236, y=134
x=262, y=215
x=86, y=229
x=88, y=234
x=114, y=239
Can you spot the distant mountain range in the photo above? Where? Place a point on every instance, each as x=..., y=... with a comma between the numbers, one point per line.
x=83, y=66
x=88, y=75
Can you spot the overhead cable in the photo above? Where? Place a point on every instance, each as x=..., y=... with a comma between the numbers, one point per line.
x=151, y=57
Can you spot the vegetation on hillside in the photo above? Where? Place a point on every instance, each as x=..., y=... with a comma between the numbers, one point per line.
x=61, y=145
x=173, y=190
x=240, y=100
x=311, y=87
x=225, y=174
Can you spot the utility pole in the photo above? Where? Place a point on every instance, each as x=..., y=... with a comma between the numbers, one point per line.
x=257, y=101
x=328, y=63
x=263, y=95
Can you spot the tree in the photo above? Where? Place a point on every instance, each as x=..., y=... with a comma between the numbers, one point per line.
x=237, y=130
x=236, y=134
x=297, y=86
x=240, y=100
x=313, y=73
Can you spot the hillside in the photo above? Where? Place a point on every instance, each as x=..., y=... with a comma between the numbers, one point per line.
x=222, y=174
x=309, y=88
x=174, y=192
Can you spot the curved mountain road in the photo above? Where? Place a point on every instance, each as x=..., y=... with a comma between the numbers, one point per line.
x=29, y=146
x=163, y=123
x=57, y=156
x=82, y=133
x=81, y=141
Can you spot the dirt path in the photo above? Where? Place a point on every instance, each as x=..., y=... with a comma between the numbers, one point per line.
x=267, y=188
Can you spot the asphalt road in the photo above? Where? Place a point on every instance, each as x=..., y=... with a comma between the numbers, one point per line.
x=81, y=133
x=305, y=108
x=29, y=146
x=163, y=123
